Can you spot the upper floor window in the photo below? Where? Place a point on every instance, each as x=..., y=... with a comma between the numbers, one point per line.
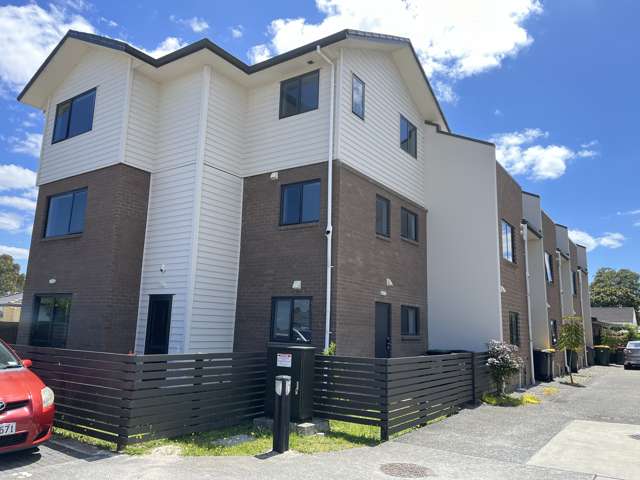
x=553, y=332
x=548, y=267
x=74, y=116
x=300, y=203
x=65, y=214
x=507, y=241
x=574, y=283
x=382, y=216
x=408, y=137
x=291, y=319
x=514, y=328
x=408, y=225
x=410, y=320
x=357, y=96
x=299, y=94
x=50, y=320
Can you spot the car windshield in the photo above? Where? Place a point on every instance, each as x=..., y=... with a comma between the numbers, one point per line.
x=7, y=358
x=633, y=345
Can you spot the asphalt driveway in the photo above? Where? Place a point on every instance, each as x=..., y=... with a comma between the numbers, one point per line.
x=575, y=433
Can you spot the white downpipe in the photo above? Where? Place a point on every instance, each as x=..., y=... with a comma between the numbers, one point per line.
x=584, y=324
x=566, y=361
x=523, y=232
x=329, y=231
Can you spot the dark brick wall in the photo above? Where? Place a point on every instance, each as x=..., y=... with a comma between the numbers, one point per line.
x=365, y=260
x=513, y=274
x=101, y=267
x=553, y=289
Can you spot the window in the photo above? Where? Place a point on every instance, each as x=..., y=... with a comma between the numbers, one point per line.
x=408, y=225
x=74, y=116
x=50, y=320
x=553, y=331
x=300, y=203
x=574, y=283
x=514, y=328
x=357, y=96
x=548, y=267
x=65, y=214
x=410, y=320
x=408, y=137
x=382, y=216
x=291, y=319
x=507, y=242
x=299, y=94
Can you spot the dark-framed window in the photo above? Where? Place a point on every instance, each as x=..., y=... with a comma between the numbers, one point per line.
x=410, y=320
x=548, y=267
x=291, y=319
x=299, y=94
x=408, y=137
x=383, y=208
x=574, y=283
x=514, y=328
x=74, y=116
x=408, y=225
x=65, y=213
x=300, y=202
x=553, y=332
x=50, y=320
x=357, y=96
x=508, y=244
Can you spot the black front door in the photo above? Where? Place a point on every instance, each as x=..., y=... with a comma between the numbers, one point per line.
x=158, y=324
x=383, y=330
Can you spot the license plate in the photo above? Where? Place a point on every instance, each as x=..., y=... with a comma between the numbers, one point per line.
x=7, y=429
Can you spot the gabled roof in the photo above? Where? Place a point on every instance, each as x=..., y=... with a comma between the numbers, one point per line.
x=208, y=45
x=614, y=315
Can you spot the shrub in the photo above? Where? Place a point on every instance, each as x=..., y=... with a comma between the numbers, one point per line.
x=503, y=363
x=331, y=350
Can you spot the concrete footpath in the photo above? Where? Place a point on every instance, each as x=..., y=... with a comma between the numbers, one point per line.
x=575, y=433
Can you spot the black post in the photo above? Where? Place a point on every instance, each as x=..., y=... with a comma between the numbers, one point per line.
x=282, y=414
x=473, y=378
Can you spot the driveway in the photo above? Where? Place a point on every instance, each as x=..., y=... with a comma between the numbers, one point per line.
x=575, y=433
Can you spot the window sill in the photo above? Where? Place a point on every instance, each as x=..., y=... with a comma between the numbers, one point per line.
x=383, y=237
x=61, y=237
x=410, y=338
x=298, y=226
x=509, y=263
x=408, y=240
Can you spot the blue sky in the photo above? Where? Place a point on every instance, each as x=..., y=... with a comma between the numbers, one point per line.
x=553, y=84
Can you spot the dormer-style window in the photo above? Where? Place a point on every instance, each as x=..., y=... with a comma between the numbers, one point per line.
x=299, y=94
x=74, y=116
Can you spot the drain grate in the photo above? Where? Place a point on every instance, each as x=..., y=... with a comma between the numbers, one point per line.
x=405, y=470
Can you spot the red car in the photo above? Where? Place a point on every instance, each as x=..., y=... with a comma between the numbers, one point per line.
x=26, y=404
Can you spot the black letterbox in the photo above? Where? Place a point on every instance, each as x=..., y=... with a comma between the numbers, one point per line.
x=297, y=361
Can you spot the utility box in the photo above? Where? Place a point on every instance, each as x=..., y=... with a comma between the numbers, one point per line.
x=297, y=361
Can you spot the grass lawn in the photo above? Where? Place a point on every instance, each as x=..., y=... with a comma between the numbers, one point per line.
x=509, y=400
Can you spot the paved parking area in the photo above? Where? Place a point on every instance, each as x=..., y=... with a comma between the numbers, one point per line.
x=482, y=443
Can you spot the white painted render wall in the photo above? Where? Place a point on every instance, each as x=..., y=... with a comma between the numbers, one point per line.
x=566, y=292
x=100, y=147
x=464, y=305
x=538, y=293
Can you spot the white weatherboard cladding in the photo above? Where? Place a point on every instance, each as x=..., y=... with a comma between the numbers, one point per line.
x=538, y=294
x=107, y=72
x=272, y=143
x=140, y=149
x=372, y=145
x=464, y=305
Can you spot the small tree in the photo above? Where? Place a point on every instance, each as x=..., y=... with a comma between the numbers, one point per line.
x=571, y=338
x=503, y=363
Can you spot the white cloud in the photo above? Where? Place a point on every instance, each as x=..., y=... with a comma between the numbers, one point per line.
x=590, y=144
x=32, y=32
x=16, y=252
x=109, y=22
x=29, y=144
x=79, y=5
x=168, y=45
x=10, y=222
x=629, y=212
x=19, y=203
x=15, y=177
x=237, y=31
x=194, y=23
x=498, y=113
x=258, y=53
x=521, y=154
x=586, y=153
x=453, y=39
x=608, y=240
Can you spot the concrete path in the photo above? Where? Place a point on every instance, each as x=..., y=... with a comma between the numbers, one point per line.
x=532, y=442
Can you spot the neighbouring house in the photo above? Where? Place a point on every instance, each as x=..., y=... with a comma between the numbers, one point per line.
x=607, y=317
x=10, y=307
x=194, y=203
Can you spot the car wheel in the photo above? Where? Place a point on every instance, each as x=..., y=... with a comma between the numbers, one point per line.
x=627, y=367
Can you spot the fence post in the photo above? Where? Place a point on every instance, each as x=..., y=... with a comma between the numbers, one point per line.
x=473, y=377
x=384, y=404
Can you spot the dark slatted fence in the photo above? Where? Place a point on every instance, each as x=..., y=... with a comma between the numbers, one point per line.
x=134, y=398
x=399, y=393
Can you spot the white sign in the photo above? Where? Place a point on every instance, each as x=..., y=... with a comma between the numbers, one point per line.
x=283, y=360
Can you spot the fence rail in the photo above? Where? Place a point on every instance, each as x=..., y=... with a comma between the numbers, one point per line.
x=399, y=393
x=134, y=398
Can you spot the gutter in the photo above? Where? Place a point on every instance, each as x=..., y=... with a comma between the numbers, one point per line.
x=523, y=231
x=329, y=230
